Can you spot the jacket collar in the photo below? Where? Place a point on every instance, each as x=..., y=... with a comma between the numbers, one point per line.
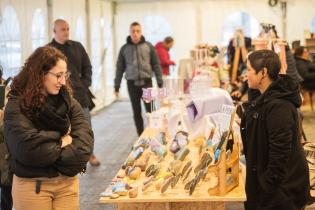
x=67, y=43
x=142, y=40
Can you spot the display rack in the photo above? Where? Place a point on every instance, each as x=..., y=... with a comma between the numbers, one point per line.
x=177, y=198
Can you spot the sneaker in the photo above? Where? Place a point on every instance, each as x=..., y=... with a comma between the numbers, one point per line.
x=94, y=161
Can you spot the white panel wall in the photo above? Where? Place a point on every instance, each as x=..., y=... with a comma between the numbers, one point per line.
x=70, y=10
x=214, y=14
x=25, y=12
x=300, y=14
x=183, y=17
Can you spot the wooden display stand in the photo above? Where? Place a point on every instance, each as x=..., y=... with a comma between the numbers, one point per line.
x=177, y=198
x=221, y=168
x=310, y=45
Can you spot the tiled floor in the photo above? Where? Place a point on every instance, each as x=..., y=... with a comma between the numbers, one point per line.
x=114, y=134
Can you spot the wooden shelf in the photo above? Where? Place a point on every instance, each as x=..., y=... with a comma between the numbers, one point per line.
x=310, y=44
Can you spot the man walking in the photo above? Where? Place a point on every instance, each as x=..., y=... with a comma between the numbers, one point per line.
x=138, y=60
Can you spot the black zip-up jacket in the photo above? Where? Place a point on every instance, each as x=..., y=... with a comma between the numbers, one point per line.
x=36, y=151
x=277, y=175
x=307, y=70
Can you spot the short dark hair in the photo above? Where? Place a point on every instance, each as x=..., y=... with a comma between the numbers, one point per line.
x=296, y=44
x=268, y=59
x=299, y=51
x=134, y=24
x=168, y=39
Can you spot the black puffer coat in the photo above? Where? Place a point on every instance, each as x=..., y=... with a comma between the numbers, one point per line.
x=277, y=174
x=35, y=147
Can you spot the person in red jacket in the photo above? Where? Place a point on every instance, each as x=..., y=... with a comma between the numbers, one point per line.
x=162, y=49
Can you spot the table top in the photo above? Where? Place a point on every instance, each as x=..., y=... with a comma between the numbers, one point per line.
x=178, y=194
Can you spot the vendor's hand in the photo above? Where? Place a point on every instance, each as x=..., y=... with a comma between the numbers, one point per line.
x=236, y=94
x=66, y=140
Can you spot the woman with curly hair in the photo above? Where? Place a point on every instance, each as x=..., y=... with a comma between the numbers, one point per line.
x=48, y=138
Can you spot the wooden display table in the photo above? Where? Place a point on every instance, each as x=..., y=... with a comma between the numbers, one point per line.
x=176, y=198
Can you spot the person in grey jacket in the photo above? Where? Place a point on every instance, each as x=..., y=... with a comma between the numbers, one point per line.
x=138, y=60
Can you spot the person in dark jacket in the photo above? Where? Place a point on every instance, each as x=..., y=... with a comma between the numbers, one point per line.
x=80, y=68
x=6, y=202
x=162, y=49
x=138, y=60
x=47, y=135
x=305, y=67
x=277, y=176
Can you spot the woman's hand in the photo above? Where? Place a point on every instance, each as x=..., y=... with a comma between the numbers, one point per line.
x=66, y=140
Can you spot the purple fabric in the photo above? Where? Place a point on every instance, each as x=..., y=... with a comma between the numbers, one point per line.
x=208, y=104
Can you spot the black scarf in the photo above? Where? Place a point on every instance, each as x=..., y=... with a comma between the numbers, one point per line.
x=54, y=114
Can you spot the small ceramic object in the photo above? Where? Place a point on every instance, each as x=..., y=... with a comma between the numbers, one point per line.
x=141, y=143
x=147, y=183
x=175, y=181
x=106, y=193
x=158, y=148
x=133, y=192
x=137, y=153
x=133, y=172
x=187, y=185
x=122, y=192
x=161, y=137
x=204, y=162
x=129, y=162
x=166, y=184
x=158, y=183
x=187, y=173
x=114, y=196
x=181, y=154
x=192, y=187
x=164, y=175
x=142, y=162
x=121, y=174
x=152, y=170
x=175, y=167
x=174, y=146
x=187, y=165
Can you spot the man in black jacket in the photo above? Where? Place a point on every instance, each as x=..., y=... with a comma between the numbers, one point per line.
x=138, y=60
x=80, y=68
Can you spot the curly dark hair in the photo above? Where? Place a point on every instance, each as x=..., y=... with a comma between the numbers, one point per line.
x=29, y=83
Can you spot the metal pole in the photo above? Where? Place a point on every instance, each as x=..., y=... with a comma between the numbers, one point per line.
x=284, y=19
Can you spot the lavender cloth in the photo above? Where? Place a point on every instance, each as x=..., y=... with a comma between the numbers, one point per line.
x=208, y=104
